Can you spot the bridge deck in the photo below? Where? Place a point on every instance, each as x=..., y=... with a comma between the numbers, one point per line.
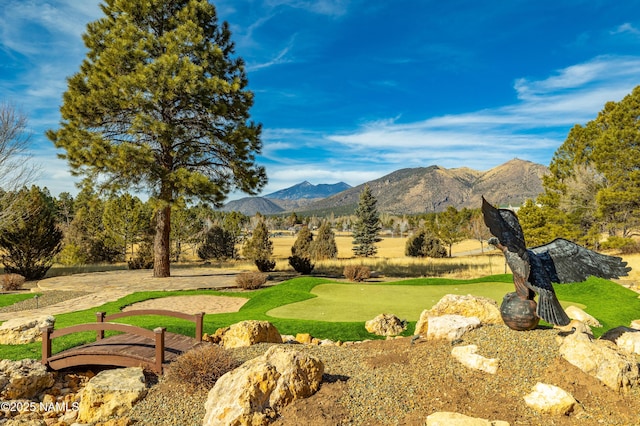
x=135, y=346
x=125, y=350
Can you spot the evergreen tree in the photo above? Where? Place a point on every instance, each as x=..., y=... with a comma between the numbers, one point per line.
x=259, y=248
x=32, y=240
x=125, y=220
x=219, y=244
x=300, y=258
x=160, y=105
x=424, y=244
x=594, y=181
x=367, y=225
x=324, y=246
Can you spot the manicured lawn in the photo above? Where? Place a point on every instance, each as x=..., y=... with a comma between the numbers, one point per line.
x=11, y=298
x=346, y=306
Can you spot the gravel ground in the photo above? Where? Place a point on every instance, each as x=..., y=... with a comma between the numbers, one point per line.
x=46, y=298
x=395, y=382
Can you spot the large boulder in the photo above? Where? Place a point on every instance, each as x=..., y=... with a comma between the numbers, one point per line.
x=111, y=393
x=386, y=325
x=247, y=333
x=635, y=324
x=576, y=313
x=483, y=308
x=450, y=327
x=23, y=379
x=446, y=418
x=255, y=392
x=20, y=331
x=468, y=357
x=549, y=399
x=601, y=359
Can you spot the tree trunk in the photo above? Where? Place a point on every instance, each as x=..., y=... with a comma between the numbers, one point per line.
x=161, y=249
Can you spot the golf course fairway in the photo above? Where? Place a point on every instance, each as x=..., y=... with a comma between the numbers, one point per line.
x=362, y=302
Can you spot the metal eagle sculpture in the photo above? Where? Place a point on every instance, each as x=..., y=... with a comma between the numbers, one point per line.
x=535, y=269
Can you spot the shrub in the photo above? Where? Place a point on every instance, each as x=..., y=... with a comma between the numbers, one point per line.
x=218, y=244
x=11, y=282
x=301, y=264
x=265, y=265
x=625, y=245
x=424, y=244
x=251, y=280
x=143, y=258
x=357, y=273
x=201, y=367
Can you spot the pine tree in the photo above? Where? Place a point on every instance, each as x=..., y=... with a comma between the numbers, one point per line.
x=300, y=258
x=324, y=246
x=259, y=248
x=160, y=105
x=367, y=225
x=32, y=240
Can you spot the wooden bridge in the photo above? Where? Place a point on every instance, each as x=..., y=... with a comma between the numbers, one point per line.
x=134, y=347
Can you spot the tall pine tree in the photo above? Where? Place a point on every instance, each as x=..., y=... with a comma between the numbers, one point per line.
x=160, y=105
x=367, y=225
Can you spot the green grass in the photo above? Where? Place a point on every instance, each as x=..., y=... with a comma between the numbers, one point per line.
x=611, y=304
x=11, y=298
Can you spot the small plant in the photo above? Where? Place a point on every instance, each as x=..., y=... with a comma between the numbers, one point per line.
x=357, y=273
x=201, y=367
x=12, y=282
x=301, y=264
x=143, y=258
x=265, y=265
x=251, y=280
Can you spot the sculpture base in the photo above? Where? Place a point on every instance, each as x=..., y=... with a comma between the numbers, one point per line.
x=517, y=313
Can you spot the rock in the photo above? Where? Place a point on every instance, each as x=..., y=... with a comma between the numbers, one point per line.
x=247, y=333
x=23, y=379
x=600, y=359
x=255, y=392
x=20, y=331
x=635, y=324
x=215, y=337
x=483, y=308
x=578, y=314
x=445, y=418
x=386, y=325
x=468, y=357
x=627, y=339
x=449, y=327
x=111, y=393
x=304, y=338
x=549, y=399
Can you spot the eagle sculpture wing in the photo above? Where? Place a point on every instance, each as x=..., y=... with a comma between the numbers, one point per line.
x=567, y=262
x=504, y=225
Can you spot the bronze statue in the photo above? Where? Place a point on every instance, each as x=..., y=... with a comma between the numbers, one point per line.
x=534, y=269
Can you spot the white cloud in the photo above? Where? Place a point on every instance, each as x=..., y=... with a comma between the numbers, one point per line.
x=530, y=128
x=626, y=28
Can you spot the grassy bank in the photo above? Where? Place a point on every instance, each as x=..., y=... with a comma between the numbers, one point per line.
x=610, y=303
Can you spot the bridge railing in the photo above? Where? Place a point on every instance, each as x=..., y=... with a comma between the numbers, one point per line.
x=197, y=319
x=104, y=323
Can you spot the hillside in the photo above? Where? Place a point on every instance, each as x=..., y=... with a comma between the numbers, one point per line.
x=433, y=189
x=413, y=191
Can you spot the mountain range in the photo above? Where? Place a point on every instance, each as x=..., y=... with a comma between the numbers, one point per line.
x=408, y=191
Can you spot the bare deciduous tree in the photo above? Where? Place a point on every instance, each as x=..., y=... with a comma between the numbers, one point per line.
x=16, y=171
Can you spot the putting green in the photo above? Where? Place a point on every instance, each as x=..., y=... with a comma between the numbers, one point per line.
x=361, y=302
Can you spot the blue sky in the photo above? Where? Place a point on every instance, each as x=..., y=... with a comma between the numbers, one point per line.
x=350, y=90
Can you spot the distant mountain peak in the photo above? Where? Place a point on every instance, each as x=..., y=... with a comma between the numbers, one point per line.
x=306, y=190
